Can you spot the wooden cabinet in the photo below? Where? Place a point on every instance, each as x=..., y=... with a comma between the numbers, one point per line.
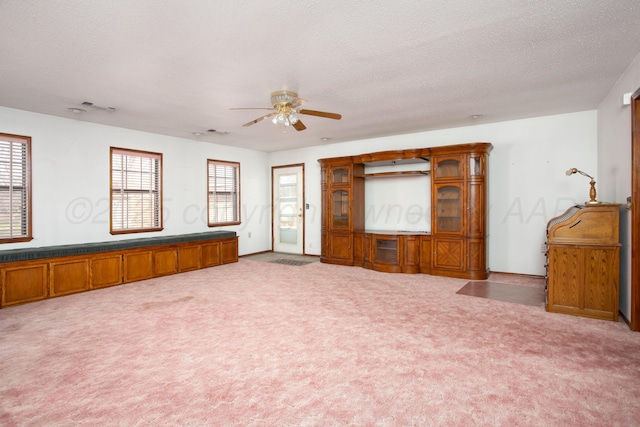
x=393, y=252
x=459, y=206
x=37, y=279
x=343, y=210
x=458, y=188
x=583, y=260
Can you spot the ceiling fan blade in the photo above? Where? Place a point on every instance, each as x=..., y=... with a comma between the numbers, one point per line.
x=296, y=102
x=259, y=119
x=299, y=126
x=249, y=108
x=334, y=116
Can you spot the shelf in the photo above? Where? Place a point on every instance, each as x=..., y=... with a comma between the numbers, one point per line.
x=392, y=174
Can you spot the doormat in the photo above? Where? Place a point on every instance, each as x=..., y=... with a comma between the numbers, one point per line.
x=294, y=262
x=526, y=295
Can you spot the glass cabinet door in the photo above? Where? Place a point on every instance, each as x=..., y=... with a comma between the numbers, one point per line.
x=448, y=209
x=340, y=176
x=449, y=167
x=340, y=209
x=386, y=250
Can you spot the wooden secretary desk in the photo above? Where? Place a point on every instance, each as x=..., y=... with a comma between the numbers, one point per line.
x=457, y=242
x=583, y=261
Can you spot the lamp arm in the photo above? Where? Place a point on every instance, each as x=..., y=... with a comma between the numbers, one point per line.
x=575, y=170
x=586, y=174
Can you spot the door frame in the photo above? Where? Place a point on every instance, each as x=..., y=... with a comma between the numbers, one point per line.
x=635, y=212
x=273, y=217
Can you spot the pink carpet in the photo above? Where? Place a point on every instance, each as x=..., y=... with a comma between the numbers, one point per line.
x=262, y=344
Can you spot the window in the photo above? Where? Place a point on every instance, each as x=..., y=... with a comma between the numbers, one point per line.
x=223, y=192
x=136, y=191
x=15, y=188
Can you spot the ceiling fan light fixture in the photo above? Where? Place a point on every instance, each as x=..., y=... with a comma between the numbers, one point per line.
x=286, y=110
x=282, y=97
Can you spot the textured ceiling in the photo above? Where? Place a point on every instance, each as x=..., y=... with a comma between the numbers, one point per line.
x=176, y=67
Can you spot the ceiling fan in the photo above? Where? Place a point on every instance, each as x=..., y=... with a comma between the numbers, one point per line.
x=286, y=110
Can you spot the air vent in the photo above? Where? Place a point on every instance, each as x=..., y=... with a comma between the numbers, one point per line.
x=99, y=107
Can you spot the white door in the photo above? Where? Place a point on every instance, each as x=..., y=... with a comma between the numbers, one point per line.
x=288, y=209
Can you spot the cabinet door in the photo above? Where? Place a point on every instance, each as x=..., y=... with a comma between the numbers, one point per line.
x=229, y=251
x=450, y=167
x=138, y=266
x=340, y=175
x=448, y=254
x=565, y=277
x=106, y=270
x=340, y=210
x=211, y=254
x=165, y=261
x=601, y=281
x=447, y=205
x=386, y=250
x=68, y=277
x=24, y=283
x=189, y=257
x=340, y=246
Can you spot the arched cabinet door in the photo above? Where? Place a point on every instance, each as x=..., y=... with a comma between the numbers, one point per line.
x=449, y=167
x=340, y=175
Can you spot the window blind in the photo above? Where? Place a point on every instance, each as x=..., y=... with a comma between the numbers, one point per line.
x=223, y=192
x=15, y=188
x=135, y=190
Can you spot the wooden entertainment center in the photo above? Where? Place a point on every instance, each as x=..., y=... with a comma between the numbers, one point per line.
x=456, y=245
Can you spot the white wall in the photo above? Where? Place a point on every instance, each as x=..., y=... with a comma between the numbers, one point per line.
x=527, y=184
x=614, y=166
x=527, y=181
x=70, y=160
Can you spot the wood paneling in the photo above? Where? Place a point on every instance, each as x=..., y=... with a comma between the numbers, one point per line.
x=425, y=254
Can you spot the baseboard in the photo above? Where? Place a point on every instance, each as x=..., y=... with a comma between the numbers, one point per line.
x=531, y=276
